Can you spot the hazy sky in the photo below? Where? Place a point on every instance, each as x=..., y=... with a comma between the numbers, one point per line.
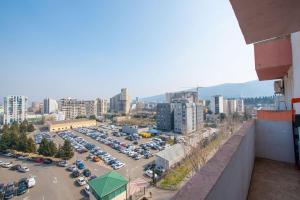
x=90, y=49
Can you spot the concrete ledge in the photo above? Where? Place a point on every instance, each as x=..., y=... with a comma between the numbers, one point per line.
x=227, y=174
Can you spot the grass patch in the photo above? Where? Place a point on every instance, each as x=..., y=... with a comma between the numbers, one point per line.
x=175, y=176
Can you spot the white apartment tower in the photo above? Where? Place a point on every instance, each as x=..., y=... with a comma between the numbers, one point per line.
x=217, y=104
x=15, y=109
x=101, y=107
x=50, y=106
x=185, y=117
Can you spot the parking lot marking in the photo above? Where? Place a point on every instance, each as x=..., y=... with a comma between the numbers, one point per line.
x=26, y=198
x=55, y=180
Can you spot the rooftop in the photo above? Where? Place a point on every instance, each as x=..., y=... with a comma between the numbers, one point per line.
x=107, y=183
x=69, y=121
x=175, y=152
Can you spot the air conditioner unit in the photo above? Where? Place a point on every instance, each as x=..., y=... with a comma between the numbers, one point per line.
x=278, y=87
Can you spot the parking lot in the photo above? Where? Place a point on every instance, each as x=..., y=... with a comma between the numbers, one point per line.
x=53, y=182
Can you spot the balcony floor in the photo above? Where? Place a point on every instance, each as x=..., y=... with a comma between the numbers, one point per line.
x=274, y=180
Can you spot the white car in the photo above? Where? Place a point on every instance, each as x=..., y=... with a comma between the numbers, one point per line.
x=6, y=165
x=149, y=173
x=118, y=166
x=72, y=168
x=87, y=190
x=81, y=181
x=23, y=169
x=30, y=182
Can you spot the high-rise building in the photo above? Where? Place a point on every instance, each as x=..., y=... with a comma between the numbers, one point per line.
x=217, y=104
x=50, y=106
x=185, y=117
x=15, y=109
x=199, y=116
x=90, y=108
x=72, y=108
x=101, y=107
x=120, y=103
x=240, y=108
x=165, y=116
x=191, y=96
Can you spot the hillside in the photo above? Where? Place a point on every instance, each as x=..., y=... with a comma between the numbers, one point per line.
x=229, y=90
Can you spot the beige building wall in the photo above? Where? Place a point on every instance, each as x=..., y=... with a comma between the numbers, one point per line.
x=67, y=125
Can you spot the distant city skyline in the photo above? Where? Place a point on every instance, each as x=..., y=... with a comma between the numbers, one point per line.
x=86, y=50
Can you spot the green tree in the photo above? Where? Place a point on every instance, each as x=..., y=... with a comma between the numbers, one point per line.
x=30, y=147
x=66, y=151
x=22, y=142
x=44, y=147
x=52, y=148
x=5, y=128
x=30, y=128
x=47, y=148
x=14, y=127
x=4, y=141
x=23, y=127
x=13, y=139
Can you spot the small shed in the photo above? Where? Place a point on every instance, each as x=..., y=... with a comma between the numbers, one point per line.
x=170, y=156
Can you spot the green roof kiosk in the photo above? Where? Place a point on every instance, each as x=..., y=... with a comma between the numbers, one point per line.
x=111, y=186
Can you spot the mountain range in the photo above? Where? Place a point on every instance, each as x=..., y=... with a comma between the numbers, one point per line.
x=228, y=90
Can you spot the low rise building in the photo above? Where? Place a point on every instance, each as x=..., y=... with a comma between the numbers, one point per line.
x=111, y=186
x=70, y=124
x=167, y=158
x=130, y=129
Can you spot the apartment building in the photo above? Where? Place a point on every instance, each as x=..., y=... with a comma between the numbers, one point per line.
x=90, y=108
x=191, y=96
x=50, y=106
x=185, y=117
x=72, y=108
x=120, y=103
x=101, y=107
x=217, y=104
x=15, y=109
x=165, y=116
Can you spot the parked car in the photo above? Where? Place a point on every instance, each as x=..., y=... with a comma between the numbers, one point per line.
x=48, y=161
x=72, y=168
x=92, y=177
x=2, y=190
x=75, y=174
x=15, y=167
x=62, y=163
x=149, y=173
x=86, y=190
x=9, y=191
x=86, y=173
x=22, y=187
x=81, y=181
x=6, y=165
x=96, y=159
x=23, y=169
x=30, y=182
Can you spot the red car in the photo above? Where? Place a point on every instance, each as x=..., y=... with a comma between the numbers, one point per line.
x=38, y=160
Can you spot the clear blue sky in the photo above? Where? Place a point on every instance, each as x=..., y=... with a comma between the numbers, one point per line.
x=89, y=49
